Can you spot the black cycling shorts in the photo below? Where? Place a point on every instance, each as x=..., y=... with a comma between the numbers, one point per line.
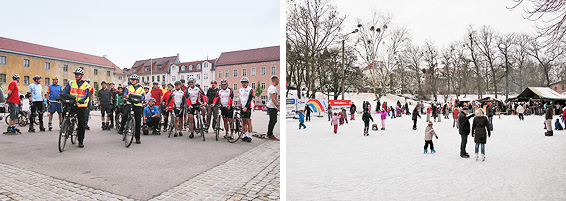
x=227, y=113
x=178, y=112
x=105, y=109
x=247, y=114
x=194, y=108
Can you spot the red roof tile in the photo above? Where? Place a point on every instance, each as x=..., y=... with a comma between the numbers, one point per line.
x=164, y=62
x=249, y=56
x=30, y=48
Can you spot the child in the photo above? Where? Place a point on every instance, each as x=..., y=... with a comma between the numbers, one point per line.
x=392, y=112
x=341, y=117
x=366, y=117
x=557, y=125
x=383, y=117
x=335, y=121
x=429, y=132
x=344, y=114
x=301, y=120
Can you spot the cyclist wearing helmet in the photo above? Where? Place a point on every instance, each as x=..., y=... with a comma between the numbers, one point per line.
x=225, y=97
x=134, y=88
x=35, y=91
x=13, y=104
x=146, y=95
x=194, y=98
x=176, y=102
x=105, y=102
x=164, y=88
x=246, y=102
x=210, y=95
x=53, y=92
x=81, y=90
x=146, y=83
x=166, y=109
x=183, y=86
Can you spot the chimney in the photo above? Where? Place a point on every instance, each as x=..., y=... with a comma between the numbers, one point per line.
x=104, y=56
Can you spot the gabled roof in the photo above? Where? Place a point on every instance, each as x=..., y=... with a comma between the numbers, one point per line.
x=16, y=46
x=249, y=56
x=194, y=63
x=540, y=92
x=154, y=63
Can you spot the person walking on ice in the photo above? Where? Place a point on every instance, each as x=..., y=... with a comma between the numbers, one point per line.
x=301, y=120
x=383, y=117
x=366, y=117
x=479, y=127
x=415, y=115
x=429, y=132
x=335, y=121
x=352, y=111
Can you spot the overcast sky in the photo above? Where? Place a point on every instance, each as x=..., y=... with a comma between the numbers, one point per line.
x=127, y=31
x=442, y=21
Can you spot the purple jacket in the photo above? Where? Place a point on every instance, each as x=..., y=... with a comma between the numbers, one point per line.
x=383, y=115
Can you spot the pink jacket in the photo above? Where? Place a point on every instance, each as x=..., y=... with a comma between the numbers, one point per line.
x=383, y=115
x=335, y=120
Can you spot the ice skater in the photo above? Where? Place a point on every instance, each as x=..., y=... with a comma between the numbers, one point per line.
x=383, y=117
x=428, y=110
x=520, y=110
x=455, y=114
x=480, y=127
x=352, y=111
x=366, y=117
x=335, y=121
x=415, y=115
x=301, y=120
x=464, y=131
x=429, y=132
x=344, y=114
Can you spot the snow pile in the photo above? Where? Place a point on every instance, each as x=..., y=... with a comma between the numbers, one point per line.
x=521, y=163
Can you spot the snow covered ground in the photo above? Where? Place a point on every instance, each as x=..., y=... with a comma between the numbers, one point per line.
x=521, y=163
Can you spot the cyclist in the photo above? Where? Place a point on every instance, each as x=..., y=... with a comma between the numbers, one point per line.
x=246, y=98
x=105, y=103
x=194, y=98
x=168, y=108
x=89, y=107
x=53, y=92
x=146, y=83
x=82, y=91
x=134, y=88
x=151, y=116
x=210, y=95
x=35, y=90
x=225, y=97
x=119, y=103
x=13, y=104
x=178, y=97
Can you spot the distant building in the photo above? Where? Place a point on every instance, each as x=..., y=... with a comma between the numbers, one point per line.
x=202, y=71
x=256, y=64
x=28, y=59
x=154, y=69
x=559, y=87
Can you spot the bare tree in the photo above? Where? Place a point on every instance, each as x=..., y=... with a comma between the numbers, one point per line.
x=431, y=58
x=485, y=42
x=504, y=44
x=546, y=57
x=473, y=52
x=550, y=16
x=414, y=56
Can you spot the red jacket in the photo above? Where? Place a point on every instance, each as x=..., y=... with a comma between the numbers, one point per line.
x=157, y=94
x=171, y=103
x=428, y=110
x=455, y=114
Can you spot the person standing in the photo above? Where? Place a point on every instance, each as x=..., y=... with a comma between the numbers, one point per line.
x=246, y=94
x=35, y=91
x=308, y=111
x=113, y=91
x=302, y=120
x=89, y=106
x=548, y=119
x=520, y=111
x=105, y=103
x=344, y=114
x=272, y=106
x=480, y=127
x=329, y=110
x=211, y=111
x=134, y=88
x=81, y=90
x=415, y=115
x=13, y=103
x=352, y=111
x=455, y=114
x=490, y=111
x=429, y=132
x=365, y=118
x=464, y=131
x=428, y=110
x=53, y=92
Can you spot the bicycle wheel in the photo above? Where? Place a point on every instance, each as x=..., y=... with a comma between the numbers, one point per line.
x=72, y=131
x=200, y=125
x=216, y=127
x=22, y=121
x=171, y=125
x=6, y=119
x=236, y=131
x=118, y=121
x=63, y=135
x=129, y=132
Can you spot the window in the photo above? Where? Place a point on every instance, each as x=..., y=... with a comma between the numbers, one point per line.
x=173, y=78
x=263, y=100
x=244, y=72
x=2, y=60
x=172, y=68
x=562, y=87
x=235, y=86
x=143, y=78
x=146, y=68
x=26, y=63
x=120, y=78
x=205, y=76
x=273, y=70
x=206, y=64
x=263, y=85
x=164, y=78
x=183, y=68
x=205, y=88
x=235, y=72
x=95, y=71
x=108, y=73
x=158, y=67
x=220, y=74
x=65, y=68
x=226, y=73
x=182, y=77
x=191, y=67
x=47, y=81
x=95, y=85
x=198, y=76
x=262, y=70
x=2, y=78
x=253, y=71
x=47, y=66
x=147, y=78
x=135, y=70
x=152, y=78
x=65, y=82
x=26, y=80
x=158, y=78
x=253, y=85
x=198, y=66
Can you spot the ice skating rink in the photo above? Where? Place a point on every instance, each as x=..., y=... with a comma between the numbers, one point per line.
x=521, y=163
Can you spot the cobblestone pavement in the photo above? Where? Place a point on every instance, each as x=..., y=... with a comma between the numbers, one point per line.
x=254, y=175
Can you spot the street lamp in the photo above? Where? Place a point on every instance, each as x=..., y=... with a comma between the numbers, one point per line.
x=344, y=65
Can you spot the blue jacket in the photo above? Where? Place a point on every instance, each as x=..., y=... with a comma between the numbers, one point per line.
x=150, y=112
x=301, y=117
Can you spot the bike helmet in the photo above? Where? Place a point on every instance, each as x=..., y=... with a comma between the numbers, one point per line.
x=146, y=82
x=103, y=82
x=163, y=83
x=15, y=76
x=224, y=81
x=146, y=87
x=192, y=79
x=155, y=82
x=134, y=77
x=87, y=80
x=37, y=77
x=111, y=83
x=245, y=79
x=55, y=78
x=170, y=85
x=151, y=99
x=79, y=71
x=182, y=81
x=178, y=83
x=213, y=82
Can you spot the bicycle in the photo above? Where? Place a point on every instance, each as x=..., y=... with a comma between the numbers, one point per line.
x=129, y=128
x=171, y=122
x=198, y=122
x=236, y=123
x=22, y=120
x=217, y=122
x=70, y=121
x=118, y=118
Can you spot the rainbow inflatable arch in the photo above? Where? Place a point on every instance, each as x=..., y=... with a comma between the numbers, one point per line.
x=316, y=105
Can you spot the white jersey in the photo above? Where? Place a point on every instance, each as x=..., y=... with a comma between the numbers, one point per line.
x=226, y=97
x=272, y=90
x=178, y=97
x=193, y=94
x=246, y=94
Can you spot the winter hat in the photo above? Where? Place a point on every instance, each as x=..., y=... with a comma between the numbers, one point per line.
x=430, y=123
